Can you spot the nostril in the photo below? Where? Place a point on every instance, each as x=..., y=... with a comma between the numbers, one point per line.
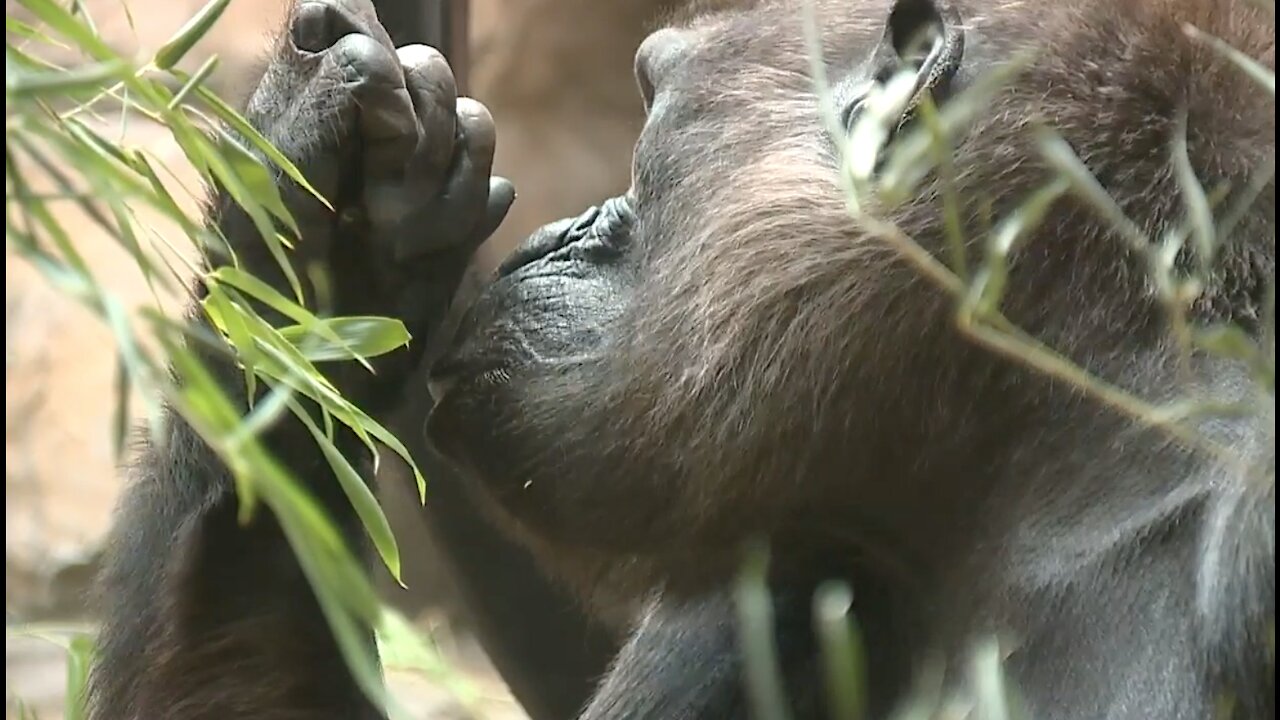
x=655, y=58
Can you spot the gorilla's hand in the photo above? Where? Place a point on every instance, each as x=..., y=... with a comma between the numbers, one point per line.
x=404, y=163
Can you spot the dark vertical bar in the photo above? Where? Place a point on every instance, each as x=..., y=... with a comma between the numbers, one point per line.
x=442, y=24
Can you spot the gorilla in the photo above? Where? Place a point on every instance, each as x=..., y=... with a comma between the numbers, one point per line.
x=723, y=353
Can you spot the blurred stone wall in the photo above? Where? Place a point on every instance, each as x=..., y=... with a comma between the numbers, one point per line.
x=557, y=76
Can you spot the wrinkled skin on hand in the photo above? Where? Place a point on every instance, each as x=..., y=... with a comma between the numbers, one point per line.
x=405, y=163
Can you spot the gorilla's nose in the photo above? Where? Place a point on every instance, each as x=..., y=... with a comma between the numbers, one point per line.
x=658, y=54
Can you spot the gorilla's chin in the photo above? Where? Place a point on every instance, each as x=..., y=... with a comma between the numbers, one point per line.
x=549, y=301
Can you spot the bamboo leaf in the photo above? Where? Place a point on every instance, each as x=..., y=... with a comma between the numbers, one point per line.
x=359, y=494
x=253, y=173
x=83, y=80
x=189, y=34
x=194, y=81
x=66, y=24
x=236, y=122
x=357, y=337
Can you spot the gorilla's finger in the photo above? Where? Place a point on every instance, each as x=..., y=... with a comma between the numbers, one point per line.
x=461, y=205
x=386, y=126
x=467, y=188
x=434, y=94
x=502, y=193
x=481, y=136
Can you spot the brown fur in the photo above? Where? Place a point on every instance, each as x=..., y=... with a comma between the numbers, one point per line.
x=779, y=372
x=774, y=370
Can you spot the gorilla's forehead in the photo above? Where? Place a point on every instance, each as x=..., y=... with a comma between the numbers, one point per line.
x=772, y=34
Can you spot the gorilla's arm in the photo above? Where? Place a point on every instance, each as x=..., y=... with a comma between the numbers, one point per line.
x=682, y=662
x=548, y=650
x=206, y=618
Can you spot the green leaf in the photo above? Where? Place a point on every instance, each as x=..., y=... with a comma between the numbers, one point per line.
x=66, y=24
x=359, y=494
x=1194, y=198
x=163, y=200
x=357, y=337
x=29, y=32
x=120, y=420
x=843, y=653
x=384, y=436
x=281, y=361
x=205, y=407
x=1227, y=341
x=987, y=290
x=993, y=699
x=1231, y=341
x=401, y=646
x=80, y=649
x=1060, y=156
x=15, y=58
x=1255, y=70
x=189, y=34
x=224, y=171
x=345, y=596
x=236, y=122
x=259, y=181
x=228, y=320
x=194, y=81
x=40, y=214
x=762, y=674
x=83, y=80
x=264, y=293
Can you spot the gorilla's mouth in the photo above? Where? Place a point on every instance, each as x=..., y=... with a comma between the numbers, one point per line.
x=482, y=346
x=607, y=225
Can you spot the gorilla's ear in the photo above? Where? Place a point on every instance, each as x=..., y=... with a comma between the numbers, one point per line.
x=924, y=36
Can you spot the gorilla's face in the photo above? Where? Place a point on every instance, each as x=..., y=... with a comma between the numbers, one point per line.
x=733, y=166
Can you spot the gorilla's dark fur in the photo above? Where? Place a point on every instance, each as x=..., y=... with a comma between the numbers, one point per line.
x=722, y=354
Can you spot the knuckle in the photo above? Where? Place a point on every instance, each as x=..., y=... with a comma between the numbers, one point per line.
x=363, y=60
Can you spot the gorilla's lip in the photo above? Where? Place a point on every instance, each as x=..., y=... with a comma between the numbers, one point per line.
x=607, y=224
